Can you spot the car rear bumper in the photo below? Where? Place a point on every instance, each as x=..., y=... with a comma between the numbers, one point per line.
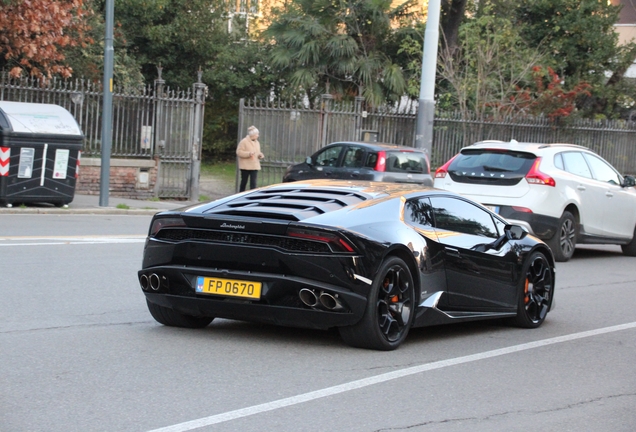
x=280, y=301
x=254, y=312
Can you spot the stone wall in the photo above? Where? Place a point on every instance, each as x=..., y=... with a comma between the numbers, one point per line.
x=129, y=178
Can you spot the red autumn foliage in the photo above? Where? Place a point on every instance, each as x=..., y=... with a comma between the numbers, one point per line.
x=33, y=34
x=548, y=97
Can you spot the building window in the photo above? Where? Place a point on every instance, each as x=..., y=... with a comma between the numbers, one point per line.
x=240, y=12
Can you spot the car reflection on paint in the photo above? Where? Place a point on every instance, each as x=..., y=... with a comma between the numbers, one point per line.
x=370, y=259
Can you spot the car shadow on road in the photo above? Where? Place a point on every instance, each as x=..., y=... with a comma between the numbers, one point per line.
x=457, y=330
x=222, y=330
x=602, y=251
x=248, y=332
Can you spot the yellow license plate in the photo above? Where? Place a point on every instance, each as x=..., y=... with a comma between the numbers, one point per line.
x=229, y=287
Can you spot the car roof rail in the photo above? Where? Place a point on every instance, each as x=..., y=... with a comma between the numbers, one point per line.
x=563, y=145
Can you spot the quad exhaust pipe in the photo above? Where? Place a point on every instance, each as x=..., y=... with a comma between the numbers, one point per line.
x=323, y=300
x=155, y=281
x=152, y=282
x=143, y=281
x=329, y=301
x=308, y=297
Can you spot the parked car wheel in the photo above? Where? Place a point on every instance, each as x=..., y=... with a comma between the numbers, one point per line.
x=630, y=248
x=564, y=240
x=172, y=318
x=389, y=312
x=535, y=295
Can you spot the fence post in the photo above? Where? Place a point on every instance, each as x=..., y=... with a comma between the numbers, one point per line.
x=241, y=127
x=157, y=142
x=199, y=107
x=358, y=118
x=77, y=97
x=158, y=96
x=325, y=107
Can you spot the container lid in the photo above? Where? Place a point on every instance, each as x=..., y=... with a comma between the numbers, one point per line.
x=39, y=118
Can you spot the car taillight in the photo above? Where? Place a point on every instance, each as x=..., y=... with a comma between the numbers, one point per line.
x=521, y=209
x=443, y=170
x=380, y=165
x=337, y=243
x=535, y=176
x=161, y=223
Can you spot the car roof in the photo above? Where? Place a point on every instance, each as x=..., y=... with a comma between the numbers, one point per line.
x=521, y=146
x=377, y=146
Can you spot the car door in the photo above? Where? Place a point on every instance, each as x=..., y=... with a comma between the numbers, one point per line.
x=353, y=164
x=618, y=203
x=590, y=194
x=324, y=163
x=418, y=214
x=477, y=278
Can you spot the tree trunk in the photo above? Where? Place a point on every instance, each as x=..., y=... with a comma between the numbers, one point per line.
x=619, y=72
x=452, y=16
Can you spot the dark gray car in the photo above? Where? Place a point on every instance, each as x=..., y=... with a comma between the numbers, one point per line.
x=364, y=161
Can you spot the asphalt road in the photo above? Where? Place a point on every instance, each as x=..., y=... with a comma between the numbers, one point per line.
x=80, y=352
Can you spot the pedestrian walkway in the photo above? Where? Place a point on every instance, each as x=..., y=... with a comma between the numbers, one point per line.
x=210, y=189
x=89, y=204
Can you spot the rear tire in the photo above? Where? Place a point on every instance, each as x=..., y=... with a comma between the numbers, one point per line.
x=535, y=293
x=389, y=312
x=630, y=248
x=564, y=240
x=172, y=318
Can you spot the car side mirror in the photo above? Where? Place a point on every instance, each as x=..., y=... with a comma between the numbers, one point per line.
x=511, y=232
x=515, y=232
x=629, y=181
x=308, y=161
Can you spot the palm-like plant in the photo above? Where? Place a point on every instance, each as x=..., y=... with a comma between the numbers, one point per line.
x=343, y=47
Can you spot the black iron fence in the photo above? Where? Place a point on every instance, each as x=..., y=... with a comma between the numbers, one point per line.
x=159, y=122
x=151, y=122
x=291, y=132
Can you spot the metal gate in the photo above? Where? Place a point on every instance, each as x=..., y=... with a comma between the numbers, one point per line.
x=153, y=122
x=178, y=132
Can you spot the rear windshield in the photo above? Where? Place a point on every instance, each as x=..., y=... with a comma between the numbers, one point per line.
x=407, y=162
x=490, y=166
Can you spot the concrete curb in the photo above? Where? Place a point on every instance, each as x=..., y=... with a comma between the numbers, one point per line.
x=84, y=211
x=89, y=204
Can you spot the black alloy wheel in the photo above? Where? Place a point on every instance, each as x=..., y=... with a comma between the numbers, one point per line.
x=390, y=310
x=564, y=240
x=536, y=292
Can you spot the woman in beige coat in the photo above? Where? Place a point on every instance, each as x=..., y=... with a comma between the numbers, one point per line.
x=249, y=155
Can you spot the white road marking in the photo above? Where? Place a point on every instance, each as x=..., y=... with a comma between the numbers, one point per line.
x=389, y=376
x=66, y=240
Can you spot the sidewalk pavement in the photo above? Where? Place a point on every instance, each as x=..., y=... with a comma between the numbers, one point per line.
x=210, y=189
x=89, y=204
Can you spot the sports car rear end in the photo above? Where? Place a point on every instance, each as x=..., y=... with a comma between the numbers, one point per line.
x=253, y=258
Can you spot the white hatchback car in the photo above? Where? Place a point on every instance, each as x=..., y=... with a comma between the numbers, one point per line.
x=562, y=193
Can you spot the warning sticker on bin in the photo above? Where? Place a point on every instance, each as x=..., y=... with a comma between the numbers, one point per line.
x=25, y=167
x=61, y=163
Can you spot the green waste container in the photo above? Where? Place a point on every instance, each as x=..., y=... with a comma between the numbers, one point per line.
x=40, y=146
